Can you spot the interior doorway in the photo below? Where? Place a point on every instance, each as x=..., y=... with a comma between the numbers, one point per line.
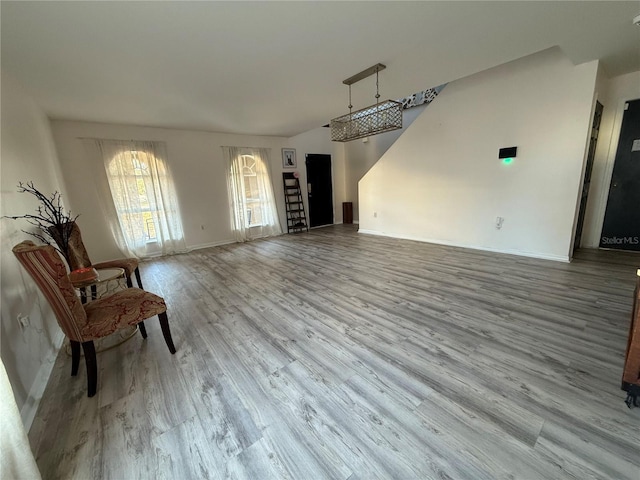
x=621, y=228
x=319, y=189
x=586, y=184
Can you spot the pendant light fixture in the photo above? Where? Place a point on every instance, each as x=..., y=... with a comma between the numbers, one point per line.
x=379, y=118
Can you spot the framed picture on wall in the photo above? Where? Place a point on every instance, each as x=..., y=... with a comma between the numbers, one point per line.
x=289, y=158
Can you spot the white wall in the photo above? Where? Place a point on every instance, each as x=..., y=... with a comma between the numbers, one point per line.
x=27, y=154
x=362, y=155
x=612, y=94
x=198, y=167
x=442, y=181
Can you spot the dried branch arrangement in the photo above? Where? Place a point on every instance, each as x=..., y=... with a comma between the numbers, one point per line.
x=53, y=222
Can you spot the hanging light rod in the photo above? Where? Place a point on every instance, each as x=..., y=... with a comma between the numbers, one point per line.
x=378, y=67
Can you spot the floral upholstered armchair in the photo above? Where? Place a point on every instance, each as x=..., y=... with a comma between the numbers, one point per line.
x=83, y=324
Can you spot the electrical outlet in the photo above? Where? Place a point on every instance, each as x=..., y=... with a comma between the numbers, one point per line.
x=499, y=222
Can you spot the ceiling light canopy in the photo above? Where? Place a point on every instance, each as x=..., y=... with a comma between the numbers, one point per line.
x=372, y=120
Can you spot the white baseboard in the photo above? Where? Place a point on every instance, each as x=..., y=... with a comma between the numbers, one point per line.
x=200, y=246
x=31, y=404
x=542, y=256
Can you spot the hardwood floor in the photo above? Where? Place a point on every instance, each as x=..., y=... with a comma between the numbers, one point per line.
x=337, y=355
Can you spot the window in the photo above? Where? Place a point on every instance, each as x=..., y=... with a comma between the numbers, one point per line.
x=253, y=209
x=251, y=192
x=144, y=197
x=140, y=174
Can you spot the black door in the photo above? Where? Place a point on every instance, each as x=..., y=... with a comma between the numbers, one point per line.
x=621, y=228
x=319, y=189
x=586, y=184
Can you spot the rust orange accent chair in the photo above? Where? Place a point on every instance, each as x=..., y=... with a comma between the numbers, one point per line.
x=79, y=258
x=83, y=324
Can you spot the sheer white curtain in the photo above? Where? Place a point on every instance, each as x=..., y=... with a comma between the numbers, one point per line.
x=251, y=199
x=144, y=197
x=16, y=459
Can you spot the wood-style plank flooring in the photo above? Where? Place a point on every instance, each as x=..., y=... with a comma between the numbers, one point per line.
x=338, y=355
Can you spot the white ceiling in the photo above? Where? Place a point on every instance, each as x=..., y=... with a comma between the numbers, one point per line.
x=276, y=68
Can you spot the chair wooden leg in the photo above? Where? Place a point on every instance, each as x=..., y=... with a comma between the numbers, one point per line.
x=138, y=279
x=75, y=357
x=92, y=367
x=143, y=329
x=83, y=295
x=129, y=282
x=164, y=324
x=94, y=292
